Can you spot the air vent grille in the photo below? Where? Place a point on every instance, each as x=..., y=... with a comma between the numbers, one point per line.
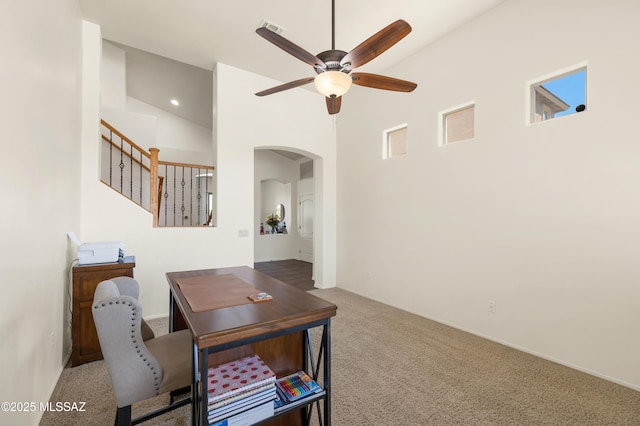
x=272, y=27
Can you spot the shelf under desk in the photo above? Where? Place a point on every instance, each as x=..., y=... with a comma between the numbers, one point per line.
x=277, y=330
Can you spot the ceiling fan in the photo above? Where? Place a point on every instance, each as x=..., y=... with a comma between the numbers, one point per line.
x=333, y=67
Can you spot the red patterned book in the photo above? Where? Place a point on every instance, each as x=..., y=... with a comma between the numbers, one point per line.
x=237, y=377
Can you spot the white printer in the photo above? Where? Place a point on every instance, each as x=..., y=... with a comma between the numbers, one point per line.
x=92, y=253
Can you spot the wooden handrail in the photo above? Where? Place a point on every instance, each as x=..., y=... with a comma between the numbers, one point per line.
x=126, y=139
x=193, y=166
x=168, y=163
x=146, y=154
x=135, y=160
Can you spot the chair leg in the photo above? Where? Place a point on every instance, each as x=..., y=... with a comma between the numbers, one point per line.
x=123, y=416
x=161, y=411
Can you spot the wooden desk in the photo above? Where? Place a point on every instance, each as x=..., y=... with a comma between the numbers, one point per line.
x=277, y=330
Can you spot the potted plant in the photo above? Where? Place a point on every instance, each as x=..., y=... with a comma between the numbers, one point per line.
x=273, y=221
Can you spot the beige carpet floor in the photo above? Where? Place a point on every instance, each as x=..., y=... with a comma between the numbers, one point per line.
x=390, y=367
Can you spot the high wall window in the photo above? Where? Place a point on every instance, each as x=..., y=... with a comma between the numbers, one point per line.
x=457, y=124
x=394, y=141
x=559, y=94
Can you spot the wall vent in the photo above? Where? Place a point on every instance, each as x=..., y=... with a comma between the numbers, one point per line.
x=272, y=27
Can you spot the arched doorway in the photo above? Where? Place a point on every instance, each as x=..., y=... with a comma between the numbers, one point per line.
x=285, y=178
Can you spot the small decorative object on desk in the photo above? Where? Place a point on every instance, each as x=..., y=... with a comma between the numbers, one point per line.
x=284, y=228
x=261, y=229
x=260, y=297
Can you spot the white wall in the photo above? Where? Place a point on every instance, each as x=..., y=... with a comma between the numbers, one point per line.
x=178, y=140
x=542, y=219
x=40, y=191
x=113, y=81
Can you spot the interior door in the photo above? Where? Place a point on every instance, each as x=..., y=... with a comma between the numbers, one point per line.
x=305, y=226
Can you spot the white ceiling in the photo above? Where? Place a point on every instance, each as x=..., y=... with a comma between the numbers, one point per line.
x=201, y=33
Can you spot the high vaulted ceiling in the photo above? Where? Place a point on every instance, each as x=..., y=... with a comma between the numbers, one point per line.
x=201, y=33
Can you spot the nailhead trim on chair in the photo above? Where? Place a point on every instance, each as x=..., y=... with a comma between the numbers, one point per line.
x=135, y=342
x=137, y=347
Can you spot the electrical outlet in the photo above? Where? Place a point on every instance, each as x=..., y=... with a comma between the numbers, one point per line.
x=53, y=339
x=492, y=306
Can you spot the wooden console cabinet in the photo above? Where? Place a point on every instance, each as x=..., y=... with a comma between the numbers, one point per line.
x=85, y=344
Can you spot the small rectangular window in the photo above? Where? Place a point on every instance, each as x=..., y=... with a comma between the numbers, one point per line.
x=457, y=124
x=395, y=142
x=560, y=94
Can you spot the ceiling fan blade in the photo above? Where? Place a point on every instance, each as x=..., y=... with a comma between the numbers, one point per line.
x=377, y=43
x=286, y=86
x=333, y=104
x=290, y=47
x=382, y=82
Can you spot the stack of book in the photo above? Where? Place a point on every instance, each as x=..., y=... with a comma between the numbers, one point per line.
x=241, y=392
x=296, y=387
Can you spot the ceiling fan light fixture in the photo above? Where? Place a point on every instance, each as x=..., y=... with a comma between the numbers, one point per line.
x=332, y=83
x=333, y=67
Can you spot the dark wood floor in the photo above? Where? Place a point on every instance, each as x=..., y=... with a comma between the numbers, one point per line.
x=295, y=272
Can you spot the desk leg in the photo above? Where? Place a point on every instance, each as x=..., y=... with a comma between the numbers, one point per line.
x=171, y=312
x=204, y=374
x=327, y=372
x=195, y=394
x=324, y=356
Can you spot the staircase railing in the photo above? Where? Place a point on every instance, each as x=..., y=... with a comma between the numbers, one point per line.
x=187, y=196
x=176, y=194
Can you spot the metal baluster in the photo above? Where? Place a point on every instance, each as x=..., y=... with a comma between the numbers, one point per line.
x=206, y=193
x=110, y=157
x=174, y=195
x=121, y=164
x=131, y=172
x=166, y=194
x=141, y=158
x=182, y=209
x=190, y=196
x=199, y=185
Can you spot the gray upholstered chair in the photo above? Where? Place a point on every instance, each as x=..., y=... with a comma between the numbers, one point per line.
x=140, y=365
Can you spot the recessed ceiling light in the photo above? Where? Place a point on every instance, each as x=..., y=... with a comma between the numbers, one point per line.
x=175, y=102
